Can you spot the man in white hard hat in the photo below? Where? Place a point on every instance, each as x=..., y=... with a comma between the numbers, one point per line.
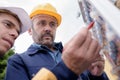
x=45, y=54
x=13, y=22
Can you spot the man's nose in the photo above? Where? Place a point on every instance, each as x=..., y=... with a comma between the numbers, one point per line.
x=48, y=28
x=14, y=33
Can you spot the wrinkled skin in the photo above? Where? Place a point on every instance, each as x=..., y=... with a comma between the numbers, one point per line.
x=97, y=67
x=80, y=51
x=44, y=30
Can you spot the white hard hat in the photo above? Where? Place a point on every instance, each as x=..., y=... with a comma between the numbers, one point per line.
x=22, y=15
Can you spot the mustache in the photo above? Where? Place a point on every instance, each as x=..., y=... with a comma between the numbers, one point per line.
x=47, y=34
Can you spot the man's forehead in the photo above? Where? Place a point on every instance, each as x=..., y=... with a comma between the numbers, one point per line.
x=41, y=16
x=10, y=19
x=7, y=13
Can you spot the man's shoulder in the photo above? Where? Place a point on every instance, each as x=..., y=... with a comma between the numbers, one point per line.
x=15, y=59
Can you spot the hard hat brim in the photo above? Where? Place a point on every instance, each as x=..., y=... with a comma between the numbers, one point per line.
x=22, y=15
x=37, y=12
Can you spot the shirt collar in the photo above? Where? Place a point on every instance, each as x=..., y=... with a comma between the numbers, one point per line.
x=34, y=48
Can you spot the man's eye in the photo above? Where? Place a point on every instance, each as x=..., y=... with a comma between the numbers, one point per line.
x=42, y=23
x=7, y=24
x=53, y=24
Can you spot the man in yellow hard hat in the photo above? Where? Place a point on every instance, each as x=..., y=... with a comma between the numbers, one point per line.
x=48, y=56
x=13, y=21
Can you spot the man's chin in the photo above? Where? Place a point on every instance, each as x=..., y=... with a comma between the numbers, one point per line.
x=48, y=43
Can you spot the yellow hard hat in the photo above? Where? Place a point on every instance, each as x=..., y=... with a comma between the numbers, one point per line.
x=46, y=9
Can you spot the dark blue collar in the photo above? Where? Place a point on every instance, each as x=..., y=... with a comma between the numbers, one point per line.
x=35, y=48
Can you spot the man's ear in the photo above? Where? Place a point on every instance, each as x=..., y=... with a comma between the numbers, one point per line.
x=30, y=31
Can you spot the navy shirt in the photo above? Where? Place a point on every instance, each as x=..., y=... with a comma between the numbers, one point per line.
x=25, y=66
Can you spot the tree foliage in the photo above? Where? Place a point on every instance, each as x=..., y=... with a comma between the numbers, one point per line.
x=3, y=63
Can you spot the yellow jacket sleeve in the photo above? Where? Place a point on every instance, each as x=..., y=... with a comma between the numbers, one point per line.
x=44, y=74
x=108, y=69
